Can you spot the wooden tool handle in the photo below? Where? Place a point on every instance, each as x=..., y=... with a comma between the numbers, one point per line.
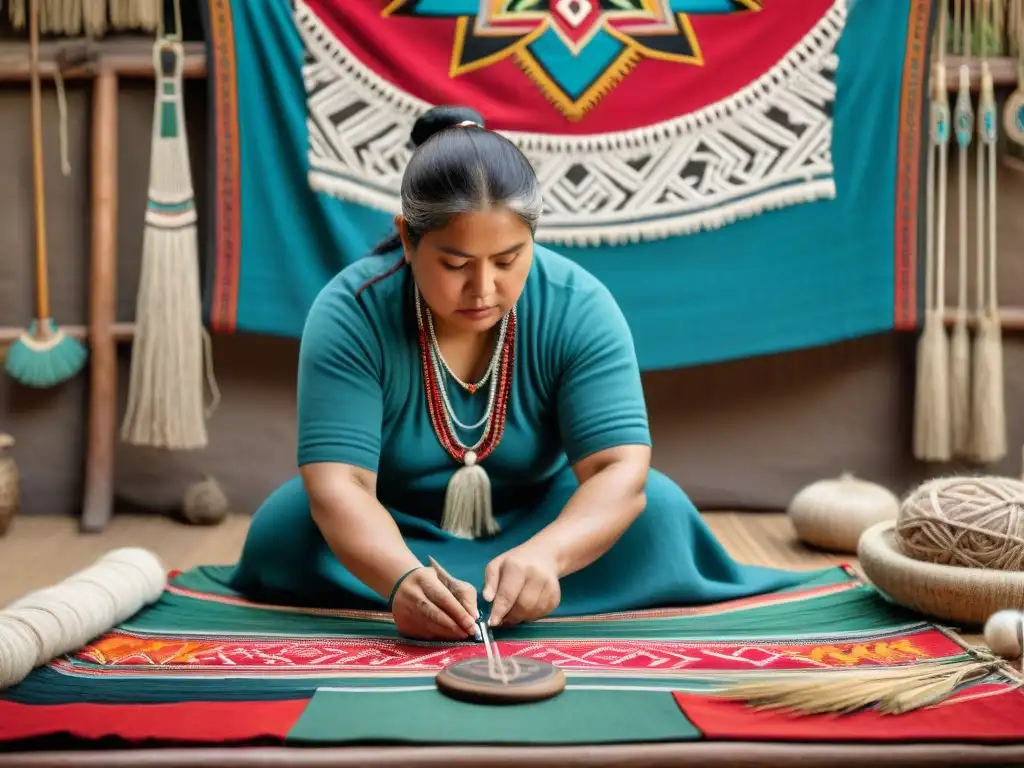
x=42, y=284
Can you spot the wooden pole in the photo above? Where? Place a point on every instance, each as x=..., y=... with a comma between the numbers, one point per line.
x=98, y=503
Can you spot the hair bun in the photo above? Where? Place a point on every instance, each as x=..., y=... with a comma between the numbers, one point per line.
x=438, y=118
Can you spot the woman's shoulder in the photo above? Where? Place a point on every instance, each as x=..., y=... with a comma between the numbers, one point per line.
x=565, y=284
x=360, y=295
x=363, y=284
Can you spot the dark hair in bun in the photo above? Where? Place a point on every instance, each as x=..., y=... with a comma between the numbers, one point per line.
x=458, y=168
x=439, y=118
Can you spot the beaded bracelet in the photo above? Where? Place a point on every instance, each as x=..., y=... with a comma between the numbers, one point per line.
x=394, y=589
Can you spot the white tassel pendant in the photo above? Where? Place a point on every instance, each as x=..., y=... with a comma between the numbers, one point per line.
x=468, y=511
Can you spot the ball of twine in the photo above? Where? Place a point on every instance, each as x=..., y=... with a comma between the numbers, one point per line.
x=972, y=522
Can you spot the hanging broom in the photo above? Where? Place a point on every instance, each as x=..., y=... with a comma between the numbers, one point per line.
x=988, y=403
x=960, y=347
x=165, y=396
x=44, y=355
x=890, y=691
x=931, y=407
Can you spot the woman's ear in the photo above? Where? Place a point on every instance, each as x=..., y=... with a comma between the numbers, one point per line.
x=403, y=232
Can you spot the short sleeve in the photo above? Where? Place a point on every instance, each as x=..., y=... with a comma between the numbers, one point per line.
x=600, y=397
x=340, y=401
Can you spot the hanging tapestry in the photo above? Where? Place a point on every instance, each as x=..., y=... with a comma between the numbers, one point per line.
x=205, y=666
x=748, y=167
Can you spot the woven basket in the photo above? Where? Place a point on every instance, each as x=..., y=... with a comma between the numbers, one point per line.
x=967, y=596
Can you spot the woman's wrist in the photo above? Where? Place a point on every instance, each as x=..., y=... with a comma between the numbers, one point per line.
x=398, y=583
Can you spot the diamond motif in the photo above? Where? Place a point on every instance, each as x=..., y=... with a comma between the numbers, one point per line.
x=574, y=12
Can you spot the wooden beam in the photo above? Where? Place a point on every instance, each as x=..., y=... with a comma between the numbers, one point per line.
x=121, y=332
x=98, y=502
x=126, y=58
x=1003, y=68
x=132, y=57
x=1011, y=318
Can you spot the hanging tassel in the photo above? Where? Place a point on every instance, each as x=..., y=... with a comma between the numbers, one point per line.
x=468, y=511
x=931, y=407
x=165, y=396
x=988, y=406
x=889, y=691
x=960, y=349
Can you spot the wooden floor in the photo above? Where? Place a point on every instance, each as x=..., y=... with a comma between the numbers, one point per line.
x=40, y=551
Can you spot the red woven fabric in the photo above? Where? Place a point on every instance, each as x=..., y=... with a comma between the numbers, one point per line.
x=998, y=718
x=195, y=722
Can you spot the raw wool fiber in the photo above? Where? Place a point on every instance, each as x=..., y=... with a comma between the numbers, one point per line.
x=63, y=618
x=93, y=18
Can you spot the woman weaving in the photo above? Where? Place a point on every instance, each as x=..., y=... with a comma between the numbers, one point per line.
x=469, y=398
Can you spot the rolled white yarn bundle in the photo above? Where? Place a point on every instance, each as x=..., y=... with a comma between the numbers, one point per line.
x=57, y=620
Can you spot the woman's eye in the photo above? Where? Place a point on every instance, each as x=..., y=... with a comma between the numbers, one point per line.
x=454, y=267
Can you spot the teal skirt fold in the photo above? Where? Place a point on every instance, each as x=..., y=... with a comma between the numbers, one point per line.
x=668, y=556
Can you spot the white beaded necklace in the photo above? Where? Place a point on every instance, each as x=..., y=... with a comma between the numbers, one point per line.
x=490, y=374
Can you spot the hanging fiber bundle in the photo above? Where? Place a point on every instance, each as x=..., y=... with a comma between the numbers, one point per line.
x=988, y=402
x=165, y=396
x=960, y=348
x=69, y=18
x=931, y=407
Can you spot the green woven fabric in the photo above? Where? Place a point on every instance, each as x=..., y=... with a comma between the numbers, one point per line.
x=853, y=610
x=430, y=717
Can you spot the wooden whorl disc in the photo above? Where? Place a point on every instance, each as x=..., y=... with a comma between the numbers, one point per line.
x=528, y=680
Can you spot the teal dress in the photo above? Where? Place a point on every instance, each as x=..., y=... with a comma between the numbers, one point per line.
x=576, y=390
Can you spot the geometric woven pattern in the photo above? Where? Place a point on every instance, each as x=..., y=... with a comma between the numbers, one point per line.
x=766, y=146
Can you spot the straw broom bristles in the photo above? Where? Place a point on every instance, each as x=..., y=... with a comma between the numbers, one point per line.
x=890, y=691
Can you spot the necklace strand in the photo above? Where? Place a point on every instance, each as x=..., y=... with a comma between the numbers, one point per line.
x=438, y=404
x=437, y=356
x=491, y=366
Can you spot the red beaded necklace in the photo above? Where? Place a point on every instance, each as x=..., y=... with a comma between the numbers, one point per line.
x=437, y=407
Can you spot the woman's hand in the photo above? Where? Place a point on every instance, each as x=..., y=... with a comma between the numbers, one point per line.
x=521, y=585
x=433, y=606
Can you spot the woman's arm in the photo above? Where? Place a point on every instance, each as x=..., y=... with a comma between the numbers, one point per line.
x=359, y=530
x=610, y=497
x=340, y=422
x=603, y=423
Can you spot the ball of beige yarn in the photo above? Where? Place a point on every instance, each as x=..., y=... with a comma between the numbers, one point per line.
x=972, y=522
x=831, y=514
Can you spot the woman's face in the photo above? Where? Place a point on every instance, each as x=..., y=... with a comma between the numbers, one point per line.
x=471, y=272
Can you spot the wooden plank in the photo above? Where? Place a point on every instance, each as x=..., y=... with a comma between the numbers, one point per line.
x=126, y=58
x=98, y=501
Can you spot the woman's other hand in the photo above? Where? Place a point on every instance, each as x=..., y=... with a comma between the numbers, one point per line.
x=521, y=585
x=429, y=606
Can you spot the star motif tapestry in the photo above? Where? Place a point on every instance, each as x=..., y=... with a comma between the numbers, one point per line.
x=744, y=175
